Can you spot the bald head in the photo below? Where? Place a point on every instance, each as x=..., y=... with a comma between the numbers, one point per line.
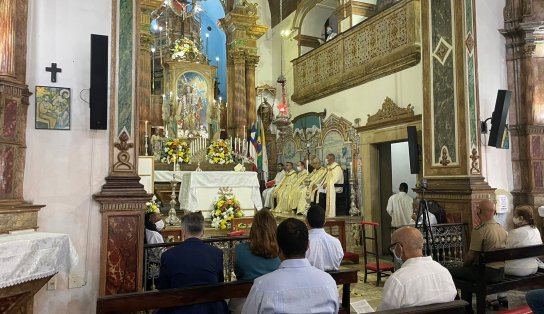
x=486, y=210
x=316, y=163
x=411, y=241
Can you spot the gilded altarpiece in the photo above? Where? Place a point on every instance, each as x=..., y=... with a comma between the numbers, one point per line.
x=451, y=141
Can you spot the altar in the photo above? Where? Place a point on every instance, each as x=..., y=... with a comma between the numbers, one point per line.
x=199, y=189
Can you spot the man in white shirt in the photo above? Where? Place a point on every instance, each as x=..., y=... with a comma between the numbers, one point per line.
x=267, y=193
x=420, y=280
x=296, y=286
x=325, y=251
x=399, y=207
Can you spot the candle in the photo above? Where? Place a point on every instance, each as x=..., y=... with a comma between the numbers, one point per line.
x=145, y=127
x=244, y=131
x=306, y=165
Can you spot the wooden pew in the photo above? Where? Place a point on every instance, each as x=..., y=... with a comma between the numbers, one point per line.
x=139, y=301
x=453, y=307
x=482, y=288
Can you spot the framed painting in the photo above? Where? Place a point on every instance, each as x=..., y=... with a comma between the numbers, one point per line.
x=53, y=108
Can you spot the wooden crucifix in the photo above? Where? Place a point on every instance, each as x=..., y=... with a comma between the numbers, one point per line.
x=54, y=70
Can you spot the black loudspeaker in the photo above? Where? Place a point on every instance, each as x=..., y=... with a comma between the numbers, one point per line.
x=98, y=95
x=498, y=119
x=413, y=149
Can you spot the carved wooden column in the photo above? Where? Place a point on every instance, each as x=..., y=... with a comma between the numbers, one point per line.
x=451, y=154
x=525, y=66
x=251, y=96
x=144, y=71
x=240, y=26
x=15, y=213
x=122, y=199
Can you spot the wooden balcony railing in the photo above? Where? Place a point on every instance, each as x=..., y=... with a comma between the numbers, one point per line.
x=384, y=44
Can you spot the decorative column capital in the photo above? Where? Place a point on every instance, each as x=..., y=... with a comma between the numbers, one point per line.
x=252, y=61
x=238, y=56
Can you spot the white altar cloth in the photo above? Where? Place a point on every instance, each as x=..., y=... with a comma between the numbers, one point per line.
x=166, y=176
x=34, y=255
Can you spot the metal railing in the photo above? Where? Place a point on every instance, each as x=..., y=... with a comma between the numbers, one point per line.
x=152, y=259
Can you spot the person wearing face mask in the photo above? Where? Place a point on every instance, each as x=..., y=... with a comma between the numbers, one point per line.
x=487, y=236
x=291, y=196
x=420, y=280
x=524, y=234
x=279, y=191
x=153, y=225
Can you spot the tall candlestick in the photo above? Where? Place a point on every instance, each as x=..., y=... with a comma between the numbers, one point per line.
x=306, y=165
x=145, y=127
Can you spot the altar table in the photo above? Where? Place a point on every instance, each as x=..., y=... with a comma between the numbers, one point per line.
x=34, y=255
x=199, y=189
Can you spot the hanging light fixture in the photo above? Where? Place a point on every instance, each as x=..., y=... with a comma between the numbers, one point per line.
x=282, y=121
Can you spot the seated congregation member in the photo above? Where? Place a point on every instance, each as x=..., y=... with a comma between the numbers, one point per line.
x=257, y=257
x=326, y=187
x=535, y=300
x=420, y=280
x=297, y=286
x=153, y=225
x=299, y=196
x=325, y=251
x=487, y=236
x=424, y=212
x=192, y=263
x=285, y=202
x=524, y=234
x=268, y=200
x=290, y=177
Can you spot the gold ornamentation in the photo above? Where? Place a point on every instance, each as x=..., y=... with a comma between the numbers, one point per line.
x=372, y=49
x=528, y=50
x=445, y=160
x=390, y=111
x=475, y=165
x=246, y=8
x=469, y=42
x=123, y=163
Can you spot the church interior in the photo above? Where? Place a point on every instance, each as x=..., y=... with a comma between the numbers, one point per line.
x=181, y=106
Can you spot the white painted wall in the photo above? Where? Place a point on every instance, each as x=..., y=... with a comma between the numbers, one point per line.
x=496, y=163
x=400, y=168
x=65, y=168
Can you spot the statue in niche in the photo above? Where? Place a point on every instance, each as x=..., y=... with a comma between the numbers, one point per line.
x=157, y=141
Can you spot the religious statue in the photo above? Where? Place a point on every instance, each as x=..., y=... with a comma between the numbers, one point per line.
x=157, y=142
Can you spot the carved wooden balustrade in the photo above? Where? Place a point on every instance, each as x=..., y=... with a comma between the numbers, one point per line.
x=381, y=45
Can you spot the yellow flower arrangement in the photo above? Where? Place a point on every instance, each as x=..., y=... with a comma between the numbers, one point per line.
x=152, y=206
x=219, y=153
x=184, y=48
x=176, y=150
x=224, y=209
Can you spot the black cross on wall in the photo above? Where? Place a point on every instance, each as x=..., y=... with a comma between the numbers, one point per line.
x=54, y=70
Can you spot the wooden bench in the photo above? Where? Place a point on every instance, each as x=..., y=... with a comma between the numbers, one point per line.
x=482, y=288
x=139, y=301
x=453, y=307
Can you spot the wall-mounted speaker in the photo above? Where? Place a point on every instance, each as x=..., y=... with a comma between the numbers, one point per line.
x=498, y=119
x=413, y=149
x=98, y=94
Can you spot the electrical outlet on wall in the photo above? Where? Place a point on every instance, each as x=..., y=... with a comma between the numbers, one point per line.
x=52, y=283
x=75, y=281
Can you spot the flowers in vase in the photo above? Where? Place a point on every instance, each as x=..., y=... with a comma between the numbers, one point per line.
x=219, y=153
x=224, y=209
x=152, y=206
x=176, y=151
x=184, y=48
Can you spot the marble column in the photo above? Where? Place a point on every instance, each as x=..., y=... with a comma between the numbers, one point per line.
x=251, y=95
x=144, y=76
x=451, y=151
x=239, y=104
x=15, y=212
x=122, y=198
x=525, y=66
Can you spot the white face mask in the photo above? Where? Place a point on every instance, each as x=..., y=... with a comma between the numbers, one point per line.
x=517, y=221
x=160, y=225
x=299, y=168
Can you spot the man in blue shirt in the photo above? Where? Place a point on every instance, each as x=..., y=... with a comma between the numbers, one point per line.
x=296, y=286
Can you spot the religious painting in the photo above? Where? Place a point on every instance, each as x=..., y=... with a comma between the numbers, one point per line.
x=52, y=108
x=290, y=152
x=191, y=104
x=333, y=143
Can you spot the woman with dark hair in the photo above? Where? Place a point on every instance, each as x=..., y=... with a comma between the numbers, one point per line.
x=257, y=257
x=524, y=234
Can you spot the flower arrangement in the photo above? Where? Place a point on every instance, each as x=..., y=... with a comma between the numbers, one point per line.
x=152, y=206
x=176, y=151
x=219, y=153
x=224, y=209
x=184, y=48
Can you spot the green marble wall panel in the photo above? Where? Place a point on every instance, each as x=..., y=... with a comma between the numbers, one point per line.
x=443, y=79
x=471, y=72
x=126, y=64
